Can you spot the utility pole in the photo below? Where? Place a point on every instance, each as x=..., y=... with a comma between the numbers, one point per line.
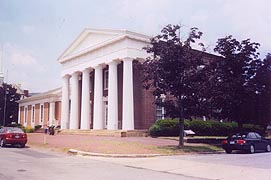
x=5, y=105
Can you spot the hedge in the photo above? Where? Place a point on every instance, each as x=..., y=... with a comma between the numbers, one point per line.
x=170, y=127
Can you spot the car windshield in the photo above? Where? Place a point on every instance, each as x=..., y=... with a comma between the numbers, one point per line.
x=239, y=135
x=14, y=130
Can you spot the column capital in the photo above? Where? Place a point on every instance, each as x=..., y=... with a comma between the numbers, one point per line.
x=99, y=66
x=115, y=61
x=87, y=70
x=76, y=73
x=66, y=76
x=127, y=59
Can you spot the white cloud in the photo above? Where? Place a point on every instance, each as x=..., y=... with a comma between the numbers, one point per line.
x=23, y=58
x=22, y=67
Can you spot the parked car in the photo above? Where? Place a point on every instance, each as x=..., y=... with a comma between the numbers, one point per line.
x=247, y=141
x=12, y=136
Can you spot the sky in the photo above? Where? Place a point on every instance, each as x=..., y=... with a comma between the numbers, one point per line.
x=34, y=33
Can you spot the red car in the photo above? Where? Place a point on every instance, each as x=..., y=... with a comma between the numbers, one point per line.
x=12, y=136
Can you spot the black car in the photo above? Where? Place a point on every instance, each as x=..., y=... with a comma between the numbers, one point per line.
x=247, y=141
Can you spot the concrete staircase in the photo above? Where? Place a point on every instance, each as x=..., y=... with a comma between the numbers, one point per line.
x=112, y=133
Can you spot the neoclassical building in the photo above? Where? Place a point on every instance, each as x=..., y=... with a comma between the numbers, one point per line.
x=101, y=86
x=43, y=109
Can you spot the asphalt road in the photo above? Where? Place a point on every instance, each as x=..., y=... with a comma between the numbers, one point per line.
x=30, y=164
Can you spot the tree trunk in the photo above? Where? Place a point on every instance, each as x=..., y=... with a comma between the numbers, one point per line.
x=181, y=124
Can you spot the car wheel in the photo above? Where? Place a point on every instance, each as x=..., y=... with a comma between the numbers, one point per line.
x=2, y=143
x=228, y=151
x=251, y=149
x=268, y=148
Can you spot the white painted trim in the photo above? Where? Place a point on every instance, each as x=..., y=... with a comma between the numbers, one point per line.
x=41, y=120
x=120, y=35
x=33, y=115
x=25, y=115
x=42, y=101
x=101, y=45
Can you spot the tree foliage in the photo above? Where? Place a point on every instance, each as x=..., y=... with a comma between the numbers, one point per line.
x=8, y=104
x=176, y=70
x=263, y=79
x=235, y=84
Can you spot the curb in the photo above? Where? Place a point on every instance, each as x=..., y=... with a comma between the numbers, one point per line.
x=82, y=153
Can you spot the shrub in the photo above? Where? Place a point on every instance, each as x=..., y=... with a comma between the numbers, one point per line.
x=170, y=127
x=165, y=127
x=28, y=129
x=252, y=127
x=37, y=127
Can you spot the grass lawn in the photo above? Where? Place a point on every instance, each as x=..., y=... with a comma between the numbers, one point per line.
x=188, y=149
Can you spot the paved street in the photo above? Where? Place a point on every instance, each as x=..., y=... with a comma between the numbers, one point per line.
x=29, y=164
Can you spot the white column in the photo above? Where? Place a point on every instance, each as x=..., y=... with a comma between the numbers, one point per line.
x=65, y=103
x=98, y=99
x=19, y=115
x=128, y=95
x=85, y=106
x=113, y=97
x=74, y=119
x=52, y=113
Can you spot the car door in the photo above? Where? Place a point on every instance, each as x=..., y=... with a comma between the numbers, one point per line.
x=262, y=142
x=253, y=139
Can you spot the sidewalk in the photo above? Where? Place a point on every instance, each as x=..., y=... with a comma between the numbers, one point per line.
x=192, y=168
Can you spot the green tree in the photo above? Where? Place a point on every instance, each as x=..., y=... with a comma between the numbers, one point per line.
x=8, y=104
x=234, y=86
x=263, y=80
x=176, y=70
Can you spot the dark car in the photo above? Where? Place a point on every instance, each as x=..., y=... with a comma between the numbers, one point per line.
x=12, y=136
x=247, y=141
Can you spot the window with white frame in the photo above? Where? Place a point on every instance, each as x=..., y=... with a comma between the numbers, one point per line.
x=160, y=110
x=33, y=114
x=105, y=79
x=25, y=114
x=41, y=113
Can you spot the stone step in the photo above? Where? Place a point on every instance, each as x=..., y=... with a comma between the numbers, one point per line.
x=112, y=133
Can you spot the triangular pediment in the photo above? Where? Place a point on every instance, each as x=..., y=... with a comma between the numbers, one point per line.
x=90, y=38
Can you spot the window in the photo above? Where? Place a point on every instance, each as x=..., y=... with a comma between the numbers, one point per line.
x=258, y=136
x=252, y=136
x=33, y=113
x=105, y=79
x=160, y=110
x=25, y=114
x=41, y=113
